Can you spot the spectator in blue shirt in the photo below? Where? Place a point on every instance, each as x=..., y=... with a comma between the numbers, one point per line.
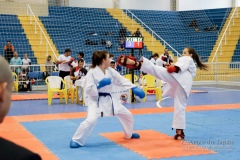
x=16, y=61
x=121, y=46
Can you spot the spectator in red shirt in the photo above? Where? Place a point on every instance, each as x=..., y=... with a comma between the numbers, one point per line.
x=166, y=58
x=8, y=49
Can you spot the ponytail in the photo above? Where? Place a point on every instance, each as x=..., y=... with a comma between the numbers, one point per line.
x=196, y=58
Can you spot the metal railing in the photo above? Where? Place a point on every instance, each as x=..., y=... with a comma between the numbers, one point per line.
x=225, y=17
x=30, y=13
x=220, y=72
x=225, y=32
x=146, y=26
x=217, y=72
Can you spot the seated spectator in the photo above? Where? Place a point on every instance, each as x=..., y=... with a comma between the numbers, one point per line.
x=108, y=33
x=154, y=58
x=137, y=33
x=25, y=64
x=16, y=61
x=8, y=49
x=49, y=67
x=194, y=25
x=92, y=33
x=122, y=33
x=113, y=64
x=78, y=73
x=24, y=82
x=103, y=42
x=213, y=28
x=89, y=42
x=119, y=69
x=108, y=44
x=121, y=46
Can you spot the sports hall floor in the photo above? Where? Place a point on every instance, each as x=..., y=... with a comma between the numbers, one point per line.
x=213, y=128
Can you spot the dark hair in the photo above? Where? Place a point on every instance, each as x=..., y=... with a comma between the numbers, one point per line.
x=49, y=56
x=196, y=58
x=112, y=62
x=67, y=50
x=81, y=54
x=111, y=55
x=98, y=57
x=80, y=60
x=155, y=55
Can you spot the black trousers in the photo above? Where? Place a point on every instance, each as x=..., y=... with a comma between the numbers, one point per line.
x=62, y=74
x=8, y=56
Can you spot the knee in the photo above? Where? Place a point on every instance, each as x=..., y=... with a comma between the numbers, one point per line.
x=90, y=121
x=126, y=116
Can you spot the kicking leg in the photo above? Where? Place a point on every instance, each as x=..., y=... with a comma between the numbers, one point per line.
x=148, y=67
x=129, y=62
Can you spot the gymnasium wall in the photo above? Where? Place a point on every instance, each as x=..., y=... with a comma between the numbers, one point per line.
x=19, y=7
x=184, y=5
x=155, y=4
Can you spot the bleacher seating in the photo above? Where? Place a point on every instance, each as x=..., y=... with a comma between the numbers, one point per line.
x=168, y=24
x=72, y=26
x=218, y=16
x=11, y=29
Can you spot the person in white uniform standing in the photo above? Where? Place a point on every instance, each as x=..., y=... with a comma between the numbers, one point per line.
x=63, y=62
x=179, y=78
x=100, y=80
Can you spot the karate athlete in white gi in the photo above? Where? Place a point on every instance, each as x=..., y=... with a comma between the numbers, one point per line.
x=99, y=84
x=179, y=78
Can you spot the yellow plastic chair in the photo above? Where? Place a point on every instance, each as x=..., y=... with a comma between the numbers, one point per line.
x=15, y=81
x=151, y=85
x=129, y=77
x=70, y=88
x=54, y=84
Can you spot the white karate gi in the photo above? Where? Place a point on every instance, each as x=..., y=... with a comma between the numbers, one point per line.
x=178, y=85
x=80, y=89
x=141, y=83
x=160, y=62
x=104, y=104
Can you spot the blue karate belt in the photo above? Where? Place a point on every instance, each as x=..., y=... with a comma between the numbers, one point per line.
x=101, y=94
